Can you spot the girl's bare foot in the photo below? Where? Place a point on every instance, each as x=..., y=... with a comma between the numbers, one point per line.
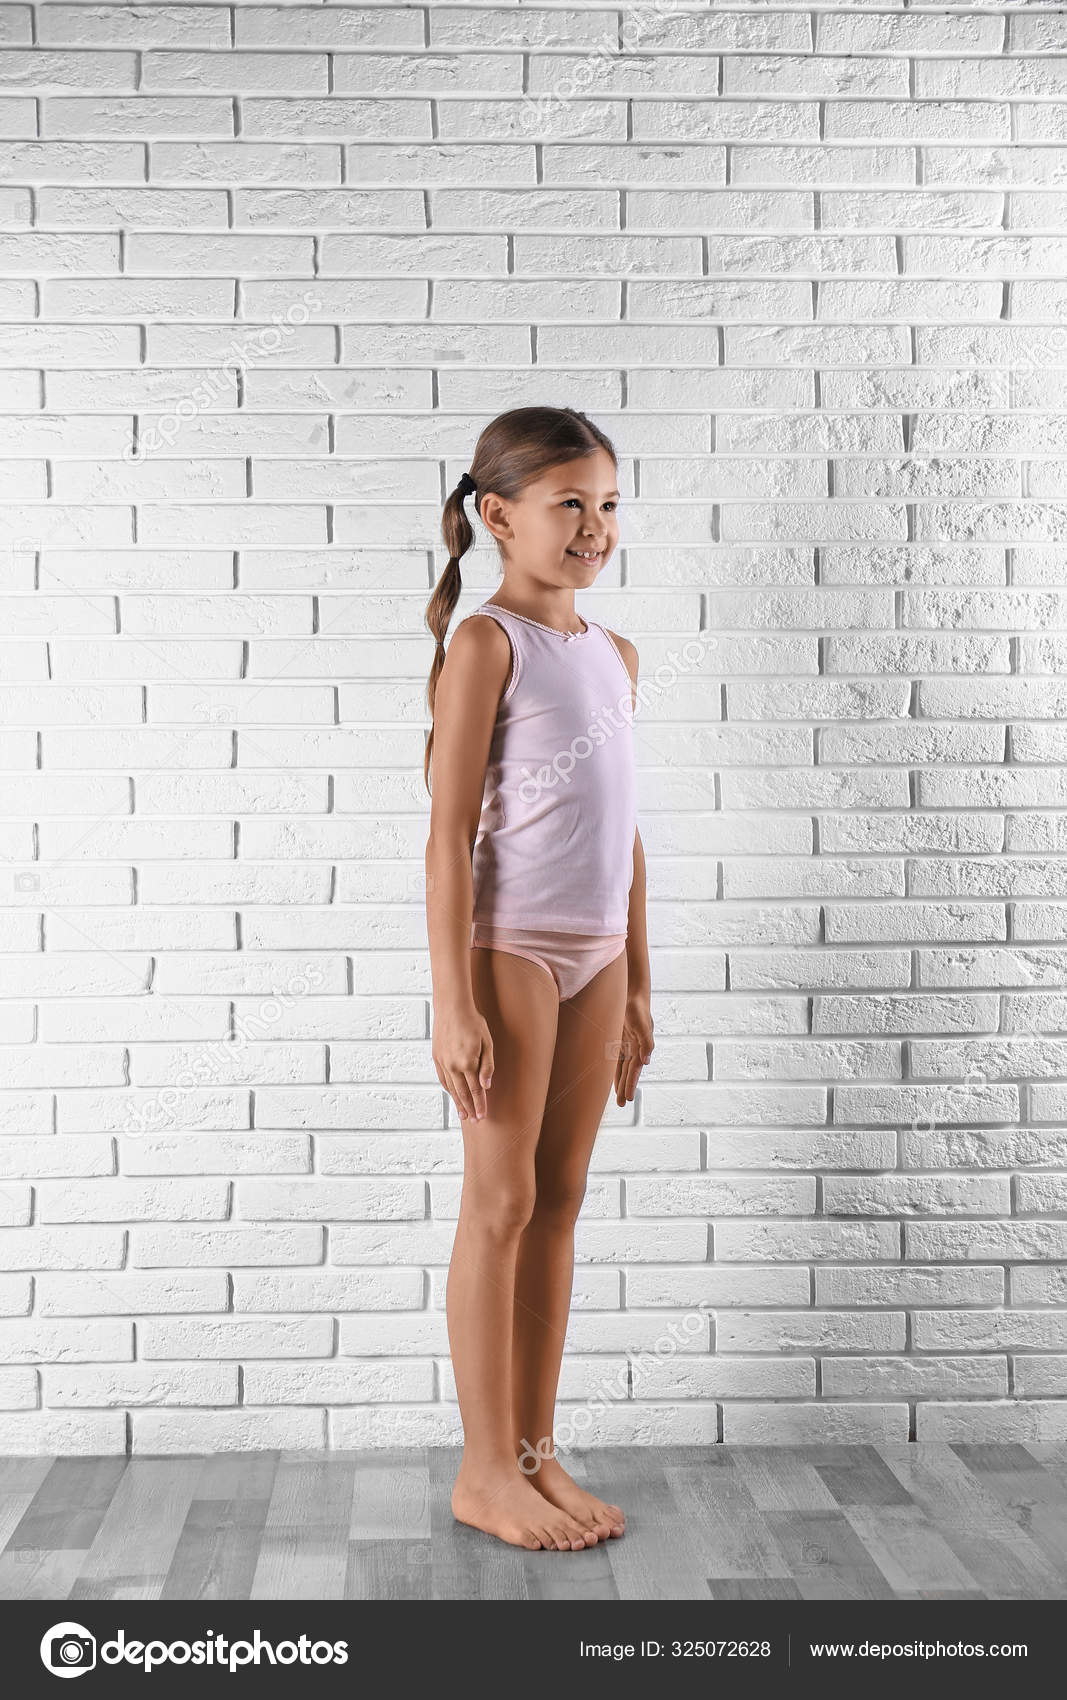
x=503, y=1503
x=592, y=1514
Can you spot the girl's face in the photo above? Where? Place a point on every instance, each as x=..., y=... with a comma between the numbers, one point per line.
x=564, y=526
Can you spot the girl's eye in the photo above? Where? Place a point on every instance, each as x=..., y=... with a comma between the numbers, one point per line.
x=568, y=501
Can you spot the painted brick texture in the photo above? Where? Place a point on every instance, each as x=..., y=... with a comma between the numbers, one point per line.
x=267, y=270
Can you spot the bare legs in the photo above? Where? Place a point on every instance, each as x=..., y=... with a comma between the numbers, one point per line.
x=509, y=1283
x=519, y=1002
x=583, y=1067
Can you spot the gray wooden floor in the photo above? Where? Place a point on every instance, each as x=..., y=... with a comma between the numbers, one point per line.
x=725, y=1522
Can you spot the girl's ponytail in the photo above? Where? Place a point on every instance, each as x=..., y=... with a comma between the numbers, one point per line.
x=458, y=533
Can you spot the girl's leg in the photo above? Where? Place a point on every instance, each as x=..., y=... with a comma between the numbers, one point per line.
x=519, y=1001
x=589, y=1028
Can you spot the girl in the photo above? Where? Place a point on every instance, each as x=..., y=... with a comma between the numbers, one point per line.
x=535, y=904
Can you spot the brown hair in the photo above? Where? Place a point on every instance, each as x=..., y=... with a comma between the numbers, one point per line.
x=513, y=450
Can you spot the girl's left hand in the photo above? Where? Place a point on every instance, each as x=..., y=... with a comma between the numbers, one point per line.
x=636, y=1046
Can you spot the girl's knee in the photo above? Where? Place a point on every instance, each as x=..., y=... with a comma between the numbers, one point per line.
x=499, y=1211
x=559, y=1200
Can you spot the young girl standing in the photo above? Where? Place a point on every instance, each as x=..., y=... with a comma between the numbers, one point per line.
x=535, y=904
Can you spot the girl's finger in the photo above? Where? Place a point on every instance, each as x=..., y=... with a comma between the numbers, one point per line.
x=446, y=1079
x=631, y=1078
x=449, y=1088
x=458, y=1090
x=476, y=1092
x=624, y=1078
x=481, y=1078
x=485, y=1071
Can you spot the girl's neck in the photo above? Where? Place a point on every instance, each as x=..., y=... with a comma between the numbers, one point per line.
x=551, y=608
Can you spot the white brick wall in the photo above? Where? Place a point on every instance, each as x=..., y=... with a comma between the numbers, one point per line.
x=806, y=265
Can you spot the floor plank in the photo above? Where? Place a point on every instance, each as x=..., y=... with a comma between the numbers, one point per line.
x=138, y=1536
x=303, y=1552
x=1005, y=1562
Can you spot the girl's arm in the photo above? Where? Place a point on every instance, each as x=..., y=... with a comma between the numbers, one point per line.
x=469, y=687
x=637, y=1045
x=638, y=974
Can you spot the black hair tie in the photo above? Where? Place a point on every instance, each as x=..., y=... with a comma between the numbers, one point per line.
x=466, y=485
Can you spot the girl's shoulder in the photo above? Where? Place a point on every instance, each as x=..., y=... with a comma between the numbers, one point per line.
x=625, y=648
x=475, y=634
x=627, y=654
x=481, y=646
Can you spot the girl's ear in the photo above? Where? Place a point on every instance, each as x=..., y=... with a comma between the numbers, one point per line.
x=496, y=517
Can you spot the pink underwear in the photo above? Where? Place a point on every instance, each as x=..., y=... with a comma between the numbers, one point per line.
x=571, y=958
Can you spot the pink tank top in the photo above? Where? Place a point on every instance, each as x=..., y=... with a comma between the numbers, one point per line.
x=555, y=845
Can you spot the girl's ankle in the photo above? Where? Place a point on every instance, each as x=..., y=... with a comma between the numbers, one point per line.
x=486, y=1464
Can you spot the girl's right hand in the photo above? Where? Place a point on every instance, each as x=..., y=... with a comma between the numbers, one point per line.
x=462, y=1050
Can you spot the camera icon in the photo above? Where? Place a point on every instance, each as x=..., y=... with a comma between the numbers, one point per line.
x=68, y=1649
x=215, y=713
x=27, y=882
